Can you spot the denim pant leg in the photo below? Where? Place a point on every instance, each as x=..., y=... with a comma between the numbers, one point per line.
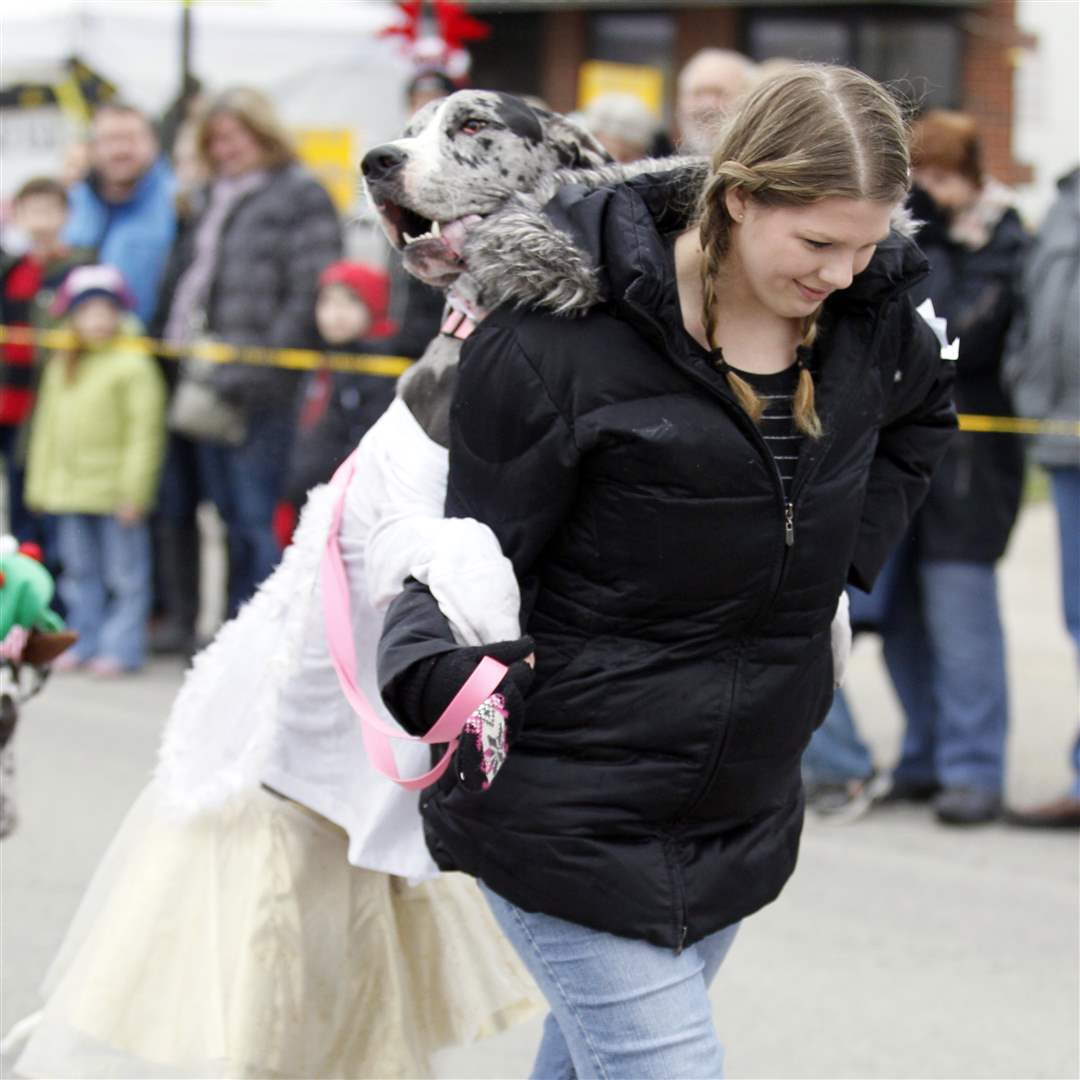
x=910, y=662
x=1065, y=486
x=836, y=752
x=214, y=468
x=620, y=1007
x=82, y=583
x=126, y=564
x=255, y=475
x=960, y=602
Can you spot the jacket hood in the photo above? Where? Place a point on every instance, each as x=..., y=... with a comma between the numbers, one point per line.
x=601, y=239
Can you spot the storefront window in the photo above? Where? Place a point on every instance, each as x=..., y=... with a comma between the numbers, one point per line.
x=920, y=50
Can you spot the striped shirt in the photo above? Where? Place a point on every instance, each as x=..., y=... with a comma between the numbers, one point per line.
x=777, y=423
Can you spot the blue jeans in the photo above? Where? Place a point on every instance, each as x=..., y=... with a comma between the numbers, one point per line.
x=246, y=483
x=836, y=752
x=619, y=1007
x=945, y=651
x=1065, y=486
x=106, y=586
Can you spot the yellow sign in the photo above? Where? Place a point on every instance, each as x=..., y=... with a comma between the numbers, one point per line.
x=328, y=152
x=596, y=77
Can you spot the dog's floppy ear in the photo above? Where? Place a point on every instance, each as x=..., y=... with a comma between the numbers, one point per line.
x=574, y=146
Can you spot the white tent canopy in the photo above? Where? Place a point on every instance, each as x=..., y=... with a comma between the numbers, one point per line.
x=321, y=61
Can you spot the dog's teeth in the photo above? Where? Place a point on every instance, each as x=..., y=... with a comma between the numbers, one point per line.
x=436, y=229
x=408, y=239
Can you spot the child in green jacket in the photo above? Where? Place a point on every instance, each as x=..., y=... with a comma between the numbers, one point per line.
x=95, y=452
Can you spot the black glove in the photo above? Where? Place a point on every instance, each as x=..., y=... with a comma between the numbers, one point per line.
x=425, y=689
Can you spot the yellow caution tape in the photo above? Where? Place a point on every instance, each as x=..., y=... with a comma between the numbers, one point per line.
x=218, y=352
x=1016, y=425
x=391, y=367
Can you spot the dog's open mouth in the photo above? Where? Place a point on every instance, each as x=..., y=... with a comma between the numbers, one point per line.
x=407, y=226
x=431, y=249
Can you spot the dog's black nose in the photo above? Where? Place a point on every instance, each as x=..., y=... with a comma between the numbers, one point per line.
x=382, y=162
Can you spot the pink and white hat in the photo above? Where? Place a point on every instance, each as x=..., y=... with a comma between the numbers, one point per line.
x=84, y=282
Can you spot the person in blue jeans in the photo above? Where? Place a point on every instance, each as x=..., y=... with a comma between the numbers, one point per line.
x=245, y=271
x=95, y=451
x=684, y=477
x=943, y=640
x=631, y=988
x=1044, y=376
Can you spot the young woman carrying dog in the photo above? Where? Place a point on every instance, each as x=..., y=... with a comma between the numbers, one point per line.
x=685, y=479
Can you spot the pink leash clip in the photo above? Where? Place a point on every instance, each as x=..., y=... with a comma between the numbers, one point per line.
x=337, y=611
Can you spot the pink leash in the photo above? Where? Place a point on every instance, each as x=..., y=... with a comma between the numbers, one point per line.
x=337, y=611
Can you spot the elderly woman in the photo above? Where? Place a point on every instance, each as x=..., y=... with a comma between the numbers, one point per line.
x=245, y=272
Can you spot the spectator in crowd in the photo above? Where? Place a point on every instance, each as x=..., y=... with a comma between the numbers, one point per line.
x=943, y=639
x=245, y=272
x=709, y=84
x=338, y=407
x=622, y=124
x=124, y=209
x=95, y=449
x=177, y=546
x=28, y=284
x=428, y=84
x=1043, y=371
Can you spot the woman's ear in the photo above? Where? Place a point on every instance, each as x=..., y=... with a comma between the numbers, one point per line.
x=735, y=203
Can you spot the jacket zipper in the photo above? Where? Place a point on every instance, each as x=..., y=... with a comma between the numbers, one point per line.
x=802, y=478
x=674, y=872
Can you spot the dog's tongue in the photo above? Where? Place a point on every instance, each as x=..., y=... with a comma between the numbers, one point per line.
x=454, y=232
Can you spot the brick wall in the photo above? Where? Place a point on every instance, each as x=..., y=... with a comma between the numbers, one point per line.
x=992, y=40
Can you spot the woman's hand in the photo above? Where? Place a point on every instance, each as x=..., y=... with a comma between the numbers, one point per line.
x=425, y=690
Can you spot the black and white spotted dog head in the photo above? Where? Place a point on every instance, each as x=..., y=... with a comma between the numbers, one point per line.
x=460, y=160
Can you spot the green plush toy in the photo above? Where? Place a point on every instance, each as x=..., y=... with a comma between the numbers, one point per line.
x=26, y=590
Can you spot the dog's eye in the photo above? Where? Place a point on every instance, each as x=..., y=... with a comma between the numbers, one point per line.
x=472, y=125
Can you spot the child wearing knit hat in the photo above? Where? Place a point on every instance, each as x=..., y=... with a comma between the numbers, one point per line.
x=338, y=407
x=96, y=445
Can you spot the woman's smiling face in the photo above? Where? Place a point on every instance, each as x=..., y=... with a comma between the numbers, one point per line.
x=791, y=258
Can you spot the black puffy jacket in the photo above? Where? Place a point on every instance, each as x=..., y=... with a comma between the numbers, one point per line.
x=975, y=496
x=680, y=608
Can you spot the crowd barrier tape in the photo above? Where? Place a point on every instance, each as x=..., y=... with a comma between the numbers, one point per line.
x=390, y=367
x=218, y=352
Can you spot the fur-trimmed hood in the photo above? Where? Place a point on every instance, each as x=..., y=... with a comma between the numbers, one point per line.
x=588, y=236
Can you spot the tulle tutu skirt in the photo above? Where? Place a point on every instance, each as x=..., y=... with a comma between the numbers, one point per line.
x=243, y=944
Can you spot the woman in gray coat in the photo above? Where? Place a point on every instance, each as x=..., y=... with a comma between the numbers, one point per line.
x=245, y=272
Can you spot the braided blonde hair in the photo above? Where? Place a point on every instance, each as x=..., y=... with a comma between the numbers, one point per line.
x=812, y=132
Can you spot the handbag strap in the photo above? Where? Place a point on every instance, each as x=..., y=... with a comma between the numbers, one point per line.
x=337, y=613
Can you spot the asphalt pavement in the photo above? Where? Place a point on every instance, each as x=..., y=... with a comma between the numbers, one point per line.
x=901, y=948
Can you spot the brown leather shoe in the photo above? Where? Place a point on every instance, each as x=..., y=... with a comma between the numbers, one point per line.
x=1060, y=813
